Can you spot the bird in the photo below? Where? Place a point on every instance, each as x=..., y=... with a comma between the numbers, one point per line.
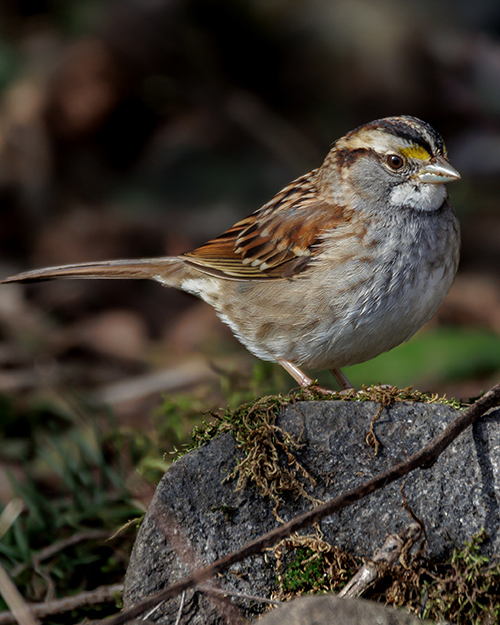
x=344, y=263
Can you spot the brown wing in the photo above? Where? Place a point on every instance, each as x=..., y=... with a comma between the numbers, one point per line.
x=277, y=241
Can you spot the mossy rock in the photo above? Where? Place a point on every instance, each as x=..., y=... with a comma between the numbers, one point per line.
x=214, y=500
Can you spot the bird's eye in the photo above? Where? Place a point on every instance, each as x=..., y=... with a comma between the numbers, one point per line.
x=395, y=161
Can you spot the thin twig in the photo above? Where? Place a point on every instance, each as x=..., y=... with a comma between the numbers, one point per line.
x=151, y=612
x=387, y=555
x=181, y=607
x=103, y=594
x=51, y=550
x=424, y=458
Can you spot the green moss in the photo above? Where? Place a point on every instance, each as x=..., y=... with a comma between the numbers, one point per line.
x=308, y=564
x=306, y=572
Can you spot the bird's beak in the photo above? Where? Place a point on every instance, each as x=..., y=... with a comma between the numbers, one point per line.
x=438, y=171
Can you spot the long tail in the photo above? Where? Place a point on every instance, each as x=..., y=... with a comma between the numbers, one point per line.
x=166, y=270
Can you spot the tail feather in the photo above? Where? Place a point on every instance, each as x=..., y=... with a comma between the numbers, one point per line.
x=160, y=269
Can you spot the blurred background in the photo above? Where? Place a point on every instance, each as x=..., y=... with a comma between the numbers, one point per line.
x=142, y=128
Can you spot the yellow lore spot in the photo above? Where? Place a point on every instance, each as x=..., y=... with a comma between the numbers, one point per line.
x=415, y=151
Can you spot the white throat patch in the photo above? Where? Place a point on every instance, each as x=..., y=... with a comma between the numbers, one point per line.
x=425, y=197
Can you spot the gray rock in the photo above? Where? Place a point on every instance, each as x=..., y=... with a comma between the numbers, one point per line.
x=195, y=517
x=328, y=610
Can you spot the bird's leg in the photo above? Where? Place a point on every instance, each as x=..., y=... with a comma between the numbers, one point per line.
x=341, y=379
x=299, y=376
x=303, y=380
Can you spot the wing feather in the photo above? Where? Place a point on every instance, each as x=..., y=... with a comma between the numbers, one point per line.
x=277, y=241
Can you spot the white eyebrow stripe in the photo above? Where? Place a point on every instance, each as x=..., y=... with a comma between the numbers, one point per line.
x=381, y=142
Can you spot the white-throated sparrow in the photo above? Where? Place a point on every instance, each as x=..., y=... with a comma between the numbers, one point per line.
x=346, y=262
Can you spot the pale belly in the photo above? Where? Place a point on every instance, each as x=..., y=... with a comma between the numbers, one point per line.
x=342, y=313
